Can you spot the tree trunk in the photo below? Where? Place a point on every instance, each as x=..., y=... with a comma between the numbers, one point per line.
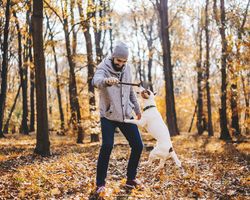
x=98, y=30
x=32, y=83
x=209, y=112
x=234, y=86
x=168, y=74
x=58, y=91
x=148, y=35
x=42, y=138
x=73, y=97
x=224, y=134
x=139, y=62
x=200, y=113
x=6, y=126
x=23, y=78
x=91, y=65
x=4, y=66
x=234, y=108
x=246, y=98
x=192, y=120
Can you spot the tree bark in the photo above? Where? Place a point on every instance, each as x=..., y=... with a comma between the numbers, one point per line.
x=168, y=74
x=234, y=86
x=98, y=30
x=32, y=81
x=23, y=77
x=73, y=97
x=91, y=90
x=4, y=66
x=234, y=108
x=42, y=140
x=200, y=112
x=209, y=107
x=224, y=132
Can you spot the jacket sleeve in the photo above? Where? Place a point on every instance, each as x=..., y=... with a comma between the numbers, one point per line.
x=98, y=79
x=133, y=99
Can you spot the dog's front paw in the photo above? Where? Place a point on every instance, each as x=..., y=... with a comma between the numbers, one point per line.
x=127, y=120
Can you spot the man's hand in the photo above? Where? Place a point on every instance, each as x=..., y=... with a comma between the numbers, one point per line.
x=111, y=81
x=138, y=116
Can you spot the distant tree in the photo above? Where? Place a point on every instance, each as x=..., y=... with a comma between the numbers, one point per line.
x=148, y=33
x=4, y=70
x=23, y=72
x=58, y=90
x=6, y=126
x=168, y=72
x=234, y=97
x=200, y=72
x=73, y=95
x=42, y=138
x=99, y=27
x=91, y=65
x=207, y=64
x=32, y=71
x=138, y=60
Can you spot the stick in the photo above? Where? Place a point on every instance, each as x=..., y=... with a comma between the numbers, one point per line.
x=133, y=84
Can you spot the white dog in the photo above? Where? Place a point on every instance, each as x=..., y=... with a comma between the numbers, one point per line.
x=151, y=119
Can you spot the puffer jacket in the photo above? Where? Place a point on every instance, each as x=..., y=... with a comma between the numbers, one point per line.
x=117, y=102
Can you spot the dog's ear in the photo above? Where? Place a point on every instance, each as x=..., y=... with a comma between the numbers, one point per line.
x=142, y=88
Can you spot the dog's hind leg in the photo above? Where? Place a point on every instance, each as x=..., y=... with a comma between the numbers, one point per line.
x=150, y=159
x=161, y=164
x=176, y=160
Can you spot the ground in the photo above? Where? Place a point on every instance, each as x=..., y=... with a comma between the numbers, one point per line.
x=215, y=170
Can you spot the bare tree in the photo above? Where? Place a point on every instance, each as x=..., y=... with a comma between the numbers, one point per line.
x=73, y=95
x=42, y=137
x=91, y=65
x=168, y=72
x=4, y=66
x=6, y=126
x=32, y=73
x=234, y=86
x=200, y=71
x=148, y=33
x=209, y=112
x=221, y=22
x=58, y=91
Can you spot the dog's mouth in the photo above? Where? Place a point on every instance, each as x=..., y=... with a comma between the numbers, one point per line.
x=145, y=94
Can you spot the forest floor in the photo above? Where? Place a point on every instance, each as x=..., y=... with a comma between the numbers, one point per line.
x=215, y=170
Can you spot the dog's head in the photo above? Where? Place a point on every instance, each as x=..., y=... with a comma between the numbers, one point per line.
x=146, y=94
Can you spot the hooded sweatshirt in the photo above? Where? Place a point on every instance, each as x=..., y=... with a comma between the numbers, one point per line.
x=117, y=102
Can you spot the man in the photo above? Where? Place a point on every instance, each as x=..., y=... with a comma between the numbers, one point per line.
x=117, y=103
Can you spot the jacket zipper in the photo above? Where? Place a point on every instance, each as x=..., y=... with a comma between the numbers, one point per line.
x=122, y=106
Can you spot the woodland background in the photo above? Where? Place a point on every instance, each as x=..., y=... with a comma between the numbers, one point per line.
x=194, y=54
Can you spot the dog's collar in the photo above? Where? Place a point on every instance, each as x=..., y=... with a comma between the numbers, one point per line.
x=147, y=107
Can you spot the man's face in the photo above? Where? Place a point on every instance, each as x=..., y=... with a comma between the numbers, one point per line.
x=120, y=62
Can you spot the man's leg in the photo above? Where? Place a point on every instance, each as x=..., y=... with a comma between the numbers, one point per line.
x=108, y=130
x=131, y=132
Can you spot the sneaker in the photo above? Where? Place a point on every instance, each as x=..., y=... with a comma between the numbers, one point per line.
x=100, y=189
x=133, y=183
